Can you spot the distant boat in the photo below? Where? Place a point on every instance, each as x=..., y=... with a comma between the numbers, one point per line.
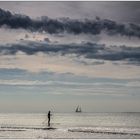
x=78, y=109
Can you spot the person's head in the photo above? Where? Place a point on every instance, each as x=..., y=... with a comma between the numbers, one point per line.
x=49, y=111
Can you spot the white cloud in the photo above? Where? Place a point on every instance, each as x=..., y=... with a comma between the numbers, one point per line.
x=67, y=64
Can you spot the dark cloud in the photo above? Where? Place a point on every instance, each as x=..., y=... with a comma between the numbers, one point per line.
x=87, y=50
x=61, y=25
x=31, y=48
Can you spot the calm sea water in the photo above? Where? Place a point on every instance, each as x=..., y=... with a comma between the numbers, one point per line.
x=71, y=125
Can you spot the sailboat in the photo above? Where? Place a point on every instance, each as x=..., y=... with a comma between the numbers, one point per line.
x=78, y=109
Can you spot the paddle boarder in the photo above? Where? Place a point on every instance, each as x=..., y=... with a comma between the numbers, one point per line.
x=49, y=117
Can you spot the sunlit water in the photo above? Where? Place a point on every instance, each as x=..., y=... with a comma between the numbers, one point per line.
x=71, y=125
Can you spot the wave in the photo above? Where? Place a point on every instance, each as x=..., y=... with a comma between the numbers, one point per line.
x=18, y=128
x=102, y=131
x=12, y=130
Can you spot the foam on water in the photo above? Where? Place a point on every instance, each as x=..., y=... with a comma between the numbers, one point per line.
x=110, y=130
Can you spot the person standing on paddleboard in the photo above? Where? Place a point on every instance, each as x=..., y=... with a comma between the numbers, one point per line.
x=49, y=117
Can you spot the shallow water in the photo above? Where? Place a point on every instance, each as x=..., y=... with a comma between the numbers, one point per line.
x=71, y=125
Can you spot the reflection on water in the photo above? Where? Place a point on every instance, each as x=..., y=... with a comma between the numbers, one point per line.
x=75, y=123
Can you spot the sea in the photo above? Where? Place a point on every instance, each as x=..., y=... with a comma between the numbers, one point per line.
x=70, y=125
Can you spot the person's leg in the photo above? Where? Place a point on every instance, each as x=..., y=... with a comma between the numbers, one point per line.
x=48, y=121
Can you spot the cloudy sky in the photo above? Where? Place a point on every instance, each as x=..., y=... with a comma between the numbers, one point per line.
x=57, y=55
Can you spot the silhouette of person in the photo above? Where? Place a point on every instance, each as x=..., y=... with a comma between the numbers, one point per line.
x=49, y=117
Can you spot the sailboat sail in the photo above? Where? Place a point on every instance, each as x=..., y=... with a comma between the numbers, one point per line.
x=78, y=109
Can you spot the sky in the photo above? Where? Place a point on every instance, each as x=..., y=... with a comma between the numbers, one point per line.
x=58, y=55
